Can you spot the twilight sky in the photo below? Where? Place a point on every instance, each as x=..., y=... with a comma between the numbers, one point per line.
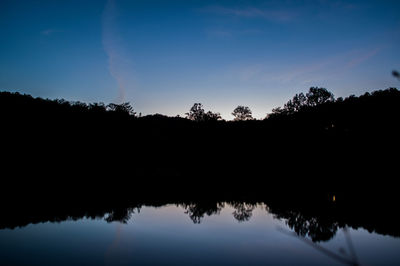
x=162, y=56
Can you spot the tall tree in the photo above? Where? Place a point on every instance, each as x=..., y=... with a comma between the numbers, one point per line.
x=196, y=112
x=294, y=105
x=242, y=113
x=317, y=96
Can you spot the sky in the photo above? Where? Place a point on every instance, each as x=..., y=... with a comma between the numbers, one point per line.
x=164, y=56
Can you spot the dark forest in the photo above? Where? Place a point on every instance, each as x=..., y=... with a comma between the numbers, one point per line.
x=314, y=144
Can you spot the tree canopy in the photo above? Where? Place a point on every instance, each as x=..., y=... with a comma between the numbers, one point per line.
x=242, y=113
x=314, y=97
x=123, y=108
x=197, y=113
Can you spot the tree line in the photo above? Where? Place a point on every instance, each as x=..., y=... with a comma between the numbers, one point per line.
x=334, y=141
x=301, y=101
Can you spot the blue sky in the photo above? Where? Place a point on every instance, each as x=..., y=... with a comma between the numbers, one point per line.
x=163, y=56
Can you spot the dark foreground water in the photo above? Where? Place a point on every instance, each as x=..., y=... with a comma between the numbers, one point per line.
x=175, y=235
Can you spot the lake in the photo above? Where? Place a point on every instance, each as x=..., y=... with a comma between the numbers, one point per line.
x=234, y=233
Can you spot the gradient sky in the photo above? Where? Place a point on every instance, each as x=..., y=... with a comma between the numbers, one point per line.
x=162, y=56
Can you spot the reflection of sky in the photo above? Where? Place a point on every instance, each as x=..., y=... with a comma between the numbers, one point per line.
x=165, y=55
x=166, y=235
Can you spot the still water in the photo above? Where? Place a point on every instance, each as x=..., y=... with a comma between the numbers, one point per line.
x=175, y=235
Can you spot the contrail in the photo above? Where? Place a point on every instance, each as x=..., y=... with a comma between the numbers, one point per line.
x=118, y=63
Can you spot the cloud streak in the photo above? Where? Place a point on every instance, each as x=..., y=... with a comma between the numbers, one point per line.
x=48, y=32
x=274, y=15
x=357, y=60
x=307, y=73
x=227, y=33
x=119, y=65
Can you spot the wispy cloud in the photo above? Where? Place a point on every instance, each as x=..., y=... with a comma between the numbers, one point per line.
x=219, y=33
x=119, y=65
x=362, y=57
x=307, y=72
x=226, y=33
x=271, y=14
x=339, y=4
x=330, y=67
x=290, y=11
x=48, y=32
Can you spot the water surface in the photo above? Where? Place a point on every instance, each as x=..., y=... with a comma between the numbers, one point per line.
x=230, y=234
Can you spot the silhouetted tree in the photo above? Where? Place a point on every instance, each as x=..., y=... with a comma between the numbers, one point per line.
x=210, y=116
x=79, y=105
x=316, y=96
x=242, y=113
x=97, y=107
x=62, y=102
x=197, y=113
x=123, y=108
x=294, y=105
x=276, y=112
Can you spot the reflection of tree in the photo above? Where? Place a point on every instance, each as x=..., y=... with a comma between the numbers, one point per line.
x=314, y=221
x=342, y=257
x=122, y=215
x=196, y=211
x=318, y=229
x=243, y=211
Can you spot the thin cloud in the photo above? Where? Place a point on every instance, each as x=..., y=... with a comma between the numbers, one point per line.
x=357, y=60
x=339, y=4
x=334, y=65
x=222, y=33
x=275, y=15
x=307, y=72
x=119, y=65
x=48, y=32
x=219, y=33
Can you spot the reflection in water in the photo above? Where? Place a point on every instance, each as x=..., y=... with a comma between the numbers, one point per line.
x=122, y=215
x=316, y=222
x=343, y=257
x=243, y=211
x=313, y=227
x=223, y=233
x=196, y=211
